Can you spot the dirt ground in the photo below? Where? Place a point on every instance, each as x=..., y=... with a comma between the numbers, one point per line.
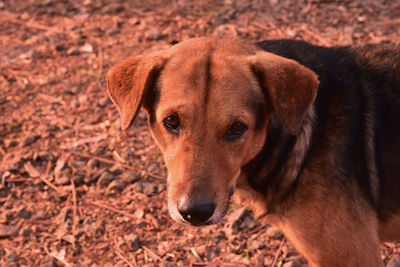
x=77, y=191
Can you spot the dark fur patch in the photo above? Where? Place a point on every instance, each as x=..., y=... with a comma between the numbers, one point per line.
x=355, y=137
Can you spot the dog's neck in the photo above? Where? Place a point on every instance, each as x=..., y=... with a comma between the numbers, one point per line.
x=274, y=171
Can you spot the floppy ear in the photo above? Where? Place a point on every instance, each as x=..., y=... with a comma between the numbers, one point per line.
x=130, y=81
x=291, y=87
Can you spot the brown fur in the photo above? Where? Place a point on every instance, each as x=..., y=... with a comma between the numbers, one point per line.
x=210, y=84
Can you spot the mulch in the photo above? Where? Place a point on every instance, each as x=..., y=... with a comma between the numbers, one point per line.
x=77, y=191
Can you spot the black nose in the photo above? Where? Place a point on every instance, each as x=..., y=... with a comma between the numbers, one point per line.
x=198, y=212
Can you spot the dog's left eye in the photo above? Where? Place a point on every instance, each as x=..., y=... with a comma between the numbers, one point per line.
x=172, y=124
x=236, y=131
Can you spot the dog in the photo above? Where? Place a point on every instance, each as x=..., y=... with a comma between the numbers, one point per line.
x=308, y=136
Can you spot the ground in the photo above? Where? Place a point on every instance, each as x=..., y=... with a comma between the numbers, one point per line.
x=77, y=191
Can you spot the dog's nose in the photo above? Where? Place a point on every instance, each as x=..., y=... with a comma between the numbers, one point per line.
x=198, y=212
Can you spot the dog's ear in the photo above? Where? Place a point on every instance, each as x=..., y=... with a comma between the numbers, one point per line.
x=291, y=87
x=130, y=81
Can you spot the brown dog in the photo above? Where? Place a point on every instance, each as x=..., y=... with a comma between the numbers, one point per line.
x=307, y=135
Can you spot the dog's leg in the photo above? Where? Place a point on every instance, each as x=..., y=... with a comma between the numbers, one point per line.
x=245, y=195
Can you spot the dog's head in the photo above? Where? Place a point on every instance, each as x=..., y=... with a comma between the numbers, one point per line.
x=209, y=102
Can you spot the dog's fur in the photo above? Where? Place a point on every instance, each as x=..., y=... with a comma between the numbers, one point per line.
x=321, y=156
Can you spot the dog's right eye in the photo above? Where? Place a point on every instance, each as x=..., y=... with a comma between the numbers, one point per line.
x=236, y=131
x=172, y=124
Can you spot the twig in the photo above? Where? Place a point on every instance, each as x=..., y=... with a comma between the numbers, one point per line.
x=118, y=157
x=32, y=24
x=194, y=252
x=35, y=25
x=112, y=162
x=151, y=253
x=119, y=254
x=75, y=215
x=100, y=59
x=104, y=160
x=88, y=140
x=199, y=264
x=58, y=190
x=112, y=209
x=258, y=229
x=51, y=255
x=321, y=40
x=278, y=252
x=48, y=169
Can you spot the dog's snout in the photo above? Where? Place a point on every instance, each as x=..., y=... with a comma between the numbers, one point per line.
x=196, y=213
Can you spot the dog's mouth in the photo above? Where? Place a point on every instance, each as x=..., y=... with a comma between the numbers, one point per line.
x=200, y=207
x=200, y=214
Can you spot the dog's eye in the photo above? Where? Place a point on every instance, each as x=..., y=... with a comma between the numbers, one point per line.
x=236, y=131
x=172, y=124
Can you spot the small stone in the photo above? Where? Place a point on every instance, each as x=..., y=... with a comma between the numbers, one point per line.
x=292, y=264
x=2, y=5
x=130, y=177
x=153, y=167
x=104, y=101
x=29, y=140
x=24, y=213
x=219, y=21
x=48, y=262
x=201, y=250
x=31, y=170
x=12, y=257
x=8, y=230
x=394, y=261
x=128, y=152
x=248, y=223
x=60, y=47
x=46, y=3
x=73, y=51
x=86, y=48
x=8, y=143
x=26, y=232
x=154, y=34
x=274, y=232
x=268, y=261
x=105, y=179
x=139, y=213
x=148, y=188
x=93, y=163
x=79, y=164
x=5, y=217
x=254, y=245
x=41, y=215
x=79, y=179
x=68, y=238
x=2, y=252
x=167, y=264
x=83, y=100
x=132, y=241
x=115, y=169
x=116, y=185
x=113, y=8
x=260, y=258
x=63, y=180
x=112, y=32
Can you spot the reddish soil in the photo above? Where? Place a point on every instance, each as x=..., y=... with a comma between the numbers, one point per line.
x=77, y=191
